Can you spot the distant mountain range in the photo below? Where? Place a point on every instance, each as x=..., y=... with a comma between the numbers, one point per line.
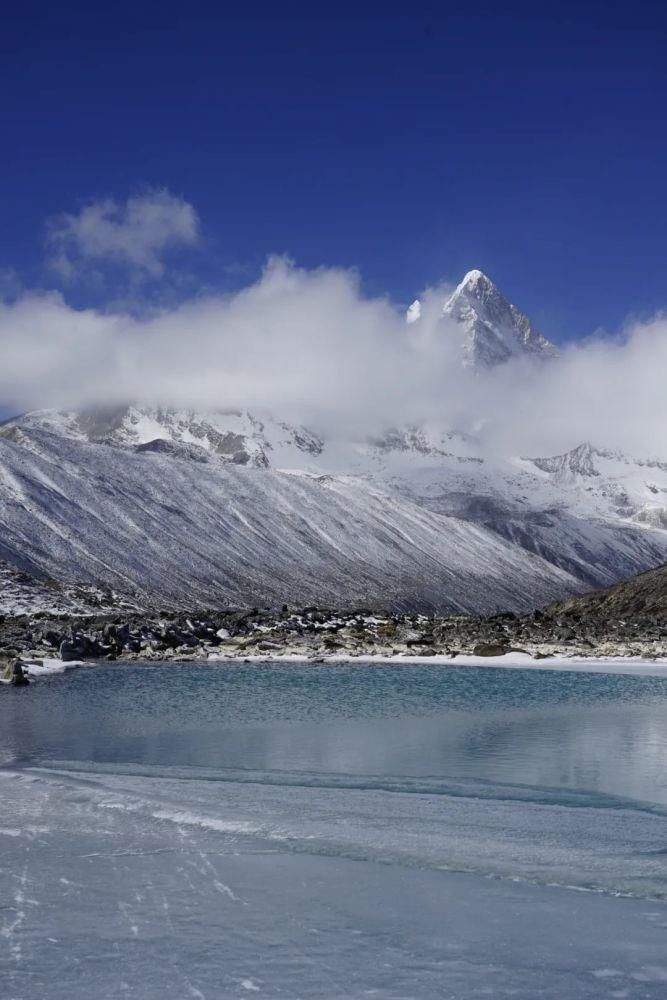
x=182, y=507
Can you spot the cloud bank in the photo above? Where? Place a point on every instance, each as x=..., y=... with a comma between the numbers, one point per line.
x=310, y=347
x=136, y=233
x=307, y=344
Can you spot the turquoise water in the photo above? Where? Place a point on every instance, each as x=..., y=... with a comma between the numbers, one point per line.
x=337, y=830
x=591, y=734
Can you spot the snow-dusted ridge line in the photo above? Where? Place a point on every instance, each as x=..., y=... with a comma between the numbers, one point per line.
x=216, y=533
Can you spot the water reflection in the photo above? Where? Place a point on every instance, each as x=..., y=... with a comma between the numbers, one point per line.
x=603, y=733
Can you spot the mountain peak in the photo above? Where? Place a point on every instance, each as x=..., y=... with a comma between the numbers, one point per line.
x=494, y=329
x=582, y=461
x=476, y=280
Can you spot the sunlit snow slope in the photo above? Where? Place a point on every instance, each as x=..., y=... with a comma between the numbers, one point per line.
x=178, y=530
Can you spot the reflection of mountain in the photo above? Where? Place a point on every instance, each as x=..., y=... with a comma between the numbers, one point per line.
x=507, y=772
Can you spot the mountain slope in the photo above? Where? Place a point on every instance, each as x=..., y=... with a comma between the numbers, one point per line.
x=21, y=593
x=184, y=532
x=591, y=516
x=639, y=597
x=600, y=528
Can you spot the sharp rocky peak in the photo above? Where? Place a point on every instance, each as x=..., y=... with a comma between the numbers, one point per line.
x=477, y=283
x=580, y=461
x=494, y=330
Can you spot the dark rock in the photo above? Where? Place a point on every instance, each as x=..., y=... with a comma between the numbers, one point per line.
x=71, y=649
x=490, y=649
x=175, y=449
x=19, y=677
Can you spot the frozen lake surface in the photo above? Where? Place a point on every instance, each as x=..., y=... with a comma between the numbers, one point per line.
x=289, y=830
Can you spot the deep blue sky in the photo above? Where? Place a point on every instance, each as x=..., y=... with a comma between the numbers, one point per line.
x=414, y=140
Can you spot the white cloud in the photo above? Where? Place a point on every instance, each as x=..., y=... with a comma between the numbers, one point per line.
x=135, y=234
x=309, y=346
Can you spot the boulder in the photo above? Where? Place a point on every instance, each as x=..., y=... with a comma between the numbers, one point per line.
x=14, y=674
x=72, y=649
x=81, y=647
x=490, y=649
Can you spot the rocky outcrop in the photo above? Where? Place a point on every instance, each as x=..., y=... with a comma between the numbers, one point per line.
x=642, y=598
x=175, y=449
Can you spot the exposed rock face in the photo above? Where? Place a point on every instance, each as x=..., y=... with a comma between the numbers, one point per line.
x=578, y=462
x=177, y=449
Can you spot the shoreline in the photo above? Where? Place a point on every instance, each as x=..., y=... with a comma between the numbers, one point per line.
x=541, y=640
x=508, y=661
x=629, y=665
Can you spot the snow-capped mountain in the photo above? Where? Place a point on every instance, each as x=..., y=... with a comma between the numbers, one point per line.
x=614, y=484
x=493, y=329
x=412, y=520
x=173, y=531
x=240, y=438
x=183, y=506
x=587, y=525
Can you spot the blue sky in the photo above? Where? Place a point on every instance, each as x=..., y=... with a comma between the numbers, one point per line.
x=413, y=141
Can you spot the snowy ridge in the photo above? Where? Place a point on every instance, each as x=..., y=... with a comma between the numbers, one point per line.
x=414, y=525
x=229, y=435
x=182, y=532
x=618, y=485
x=584, y=521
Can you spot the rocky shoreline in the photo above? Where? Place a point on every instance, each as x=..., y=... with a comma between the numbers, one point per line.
x=320, y=633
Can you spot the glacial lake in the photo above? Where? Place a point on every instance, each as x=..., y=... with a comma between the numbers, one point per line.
x=287, y=830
